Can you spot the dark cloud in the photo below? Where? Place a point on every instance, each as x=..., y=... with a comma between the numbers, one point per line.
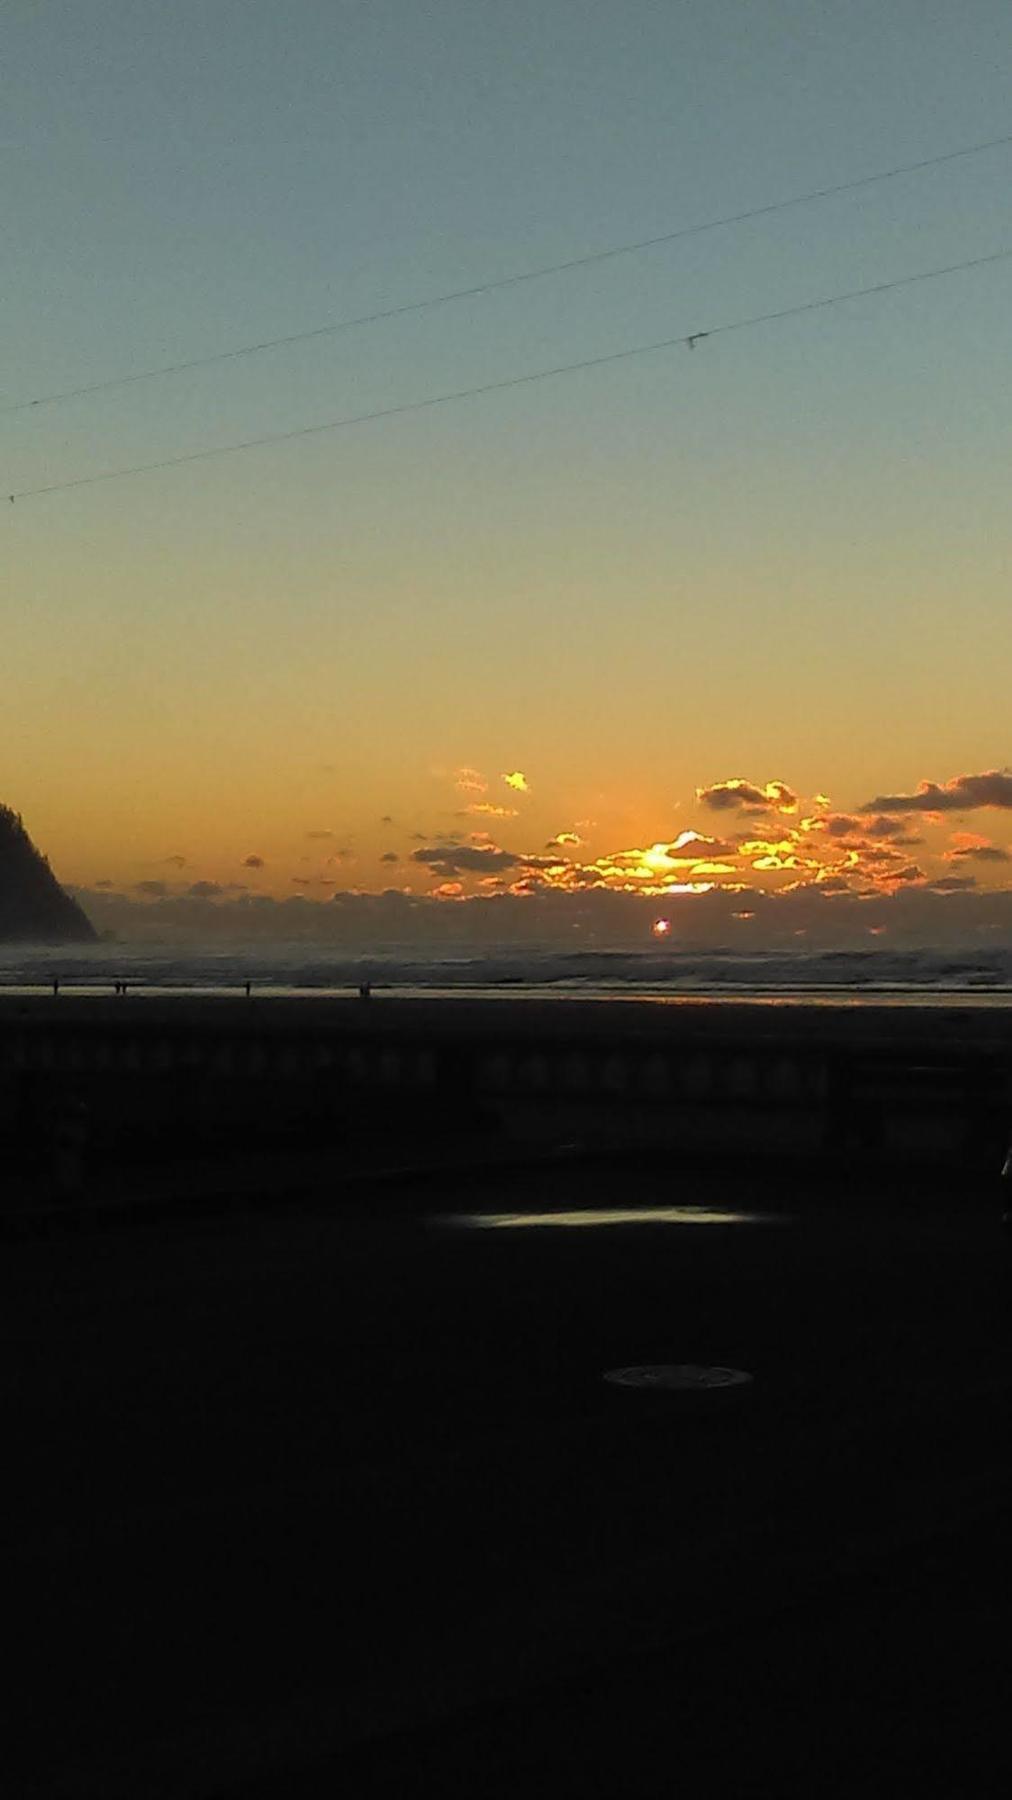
x=908, y=872
x=386, y=819
x=390, y=856
x=105, y=882
x=963, y=793
x=457, y=859
x=855, y=830
x=319, y=834
x=990, y=853
x=253, y=862
x=204, y=890
x=735, y=794
x=177, y=861
x=834, y=913
x=156, y=890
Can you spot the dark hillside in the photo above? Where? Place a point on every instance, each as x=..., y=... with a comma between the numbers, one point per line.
x=33, y=906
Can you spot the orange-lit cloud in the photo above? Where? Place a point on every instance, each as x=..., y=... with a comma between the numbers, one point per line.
x=969, y=846
x=736, y=793
x=485, y=809
x=517, y=780
x=470, y=781
x=697, y=842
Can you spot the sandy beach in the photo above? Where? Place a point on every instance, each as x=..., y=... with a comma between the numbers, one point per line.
x=337, y=1497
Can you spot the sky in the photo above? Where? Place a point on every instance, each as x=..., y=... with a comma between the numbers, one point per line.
x=523, y=641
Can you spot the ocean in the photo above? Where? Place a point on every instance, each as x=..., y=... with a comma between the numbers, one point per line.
x=906, y=977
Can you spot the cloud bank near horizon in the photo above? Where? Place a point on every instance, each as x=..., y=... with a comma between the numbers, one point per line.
x=952, y=911
x=780, y=865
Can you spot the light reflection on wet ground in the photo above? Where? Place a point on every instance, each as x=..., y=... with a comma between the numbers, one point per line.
x=608, y=1215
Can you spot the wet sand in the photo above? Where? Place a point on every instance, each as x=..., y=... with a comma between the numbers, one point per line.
x=943, y=1020
x=305, y=1503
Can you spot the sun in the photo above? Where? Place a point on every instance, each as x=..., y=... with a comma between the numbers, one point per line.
x=661, y=927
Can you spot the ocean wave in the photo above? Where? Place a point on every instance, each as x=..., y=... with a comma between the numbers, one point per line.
x=290, y=968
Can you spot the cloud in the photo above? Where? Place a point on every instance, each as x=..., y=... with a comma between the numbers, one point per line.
x=907, y=872
x=177, y=861
x=319, y=834
x=386, y=819
x=839, y=825
x=155, y=890
x=105, y=882
x=470, y=781
x=985, y=853
x=882, y=827
x=204, y=890
x=517, y=780
x=657, y=870
x=964, y=793
x=831, y=913
x=484, y=809
x=697, y=843
x=731, y=795
x=457, y=859
x=389, y=856
x=253, y=862
x=564, y=837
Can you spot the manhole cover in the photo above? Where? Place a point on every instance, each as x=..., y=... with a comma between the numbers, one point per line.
x=683, y=1380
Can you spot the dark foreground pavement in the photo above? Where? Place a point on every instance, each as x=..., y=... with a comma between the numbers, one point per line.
x=336, y=1500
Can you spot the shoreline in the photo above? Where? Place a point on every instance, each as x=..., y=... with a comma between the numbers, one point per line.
x=535, y=1011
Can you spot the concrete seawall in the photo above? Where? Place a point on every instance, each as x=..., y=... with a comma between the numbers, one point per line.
x=918, y=1086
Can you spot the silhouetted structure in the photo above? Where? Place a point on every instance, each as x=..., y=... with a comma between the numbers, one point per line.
x=33, y=906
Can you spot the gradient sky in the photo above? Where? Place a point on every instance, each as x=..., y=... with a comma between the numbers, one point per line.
x=784, y=555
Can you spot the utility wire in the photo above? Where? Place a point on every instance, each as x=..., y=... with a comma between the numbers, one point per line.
x=689, y=339
x=504, y=281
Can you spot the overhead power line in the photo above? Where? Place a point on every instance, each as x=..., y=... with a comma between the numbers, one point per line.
x=504, y=281
x=689, y=339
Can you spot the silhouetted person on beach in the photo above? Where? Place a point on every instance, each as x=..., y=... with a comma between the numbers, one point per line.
x=365, y=990
x=247, y=990
x=56, y=987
